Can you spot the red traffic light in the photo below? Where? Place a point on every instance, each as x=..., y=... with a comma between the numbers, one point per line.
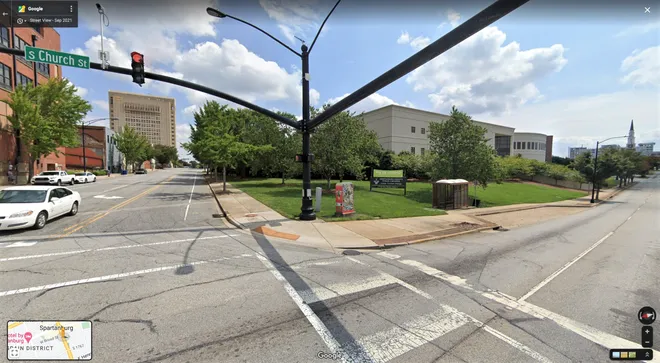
x=137, y=57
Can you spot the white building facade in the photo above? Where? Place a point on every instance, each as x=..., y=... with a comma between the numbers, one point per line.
x=402, y=128
x=531, y=145
x=112, y=155
x=646, y=148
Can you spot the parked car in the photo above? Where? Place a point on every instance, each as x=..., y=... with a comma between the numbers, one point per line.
x=85, y=177
x=141, y=171
x=33, y=206
x=53, y=178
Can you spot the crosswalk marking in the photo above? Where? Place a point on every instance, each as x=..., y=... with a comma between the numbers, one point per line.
x=601, y=338
x=17, y=244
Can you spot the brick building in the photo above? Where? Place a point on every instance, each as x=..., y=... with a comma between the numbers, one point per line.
x=15, y=70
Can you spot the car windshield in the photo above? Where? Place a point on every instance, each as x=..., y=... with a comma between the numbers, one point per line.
x=22, y=196
x=80, y=174
x=50, y=173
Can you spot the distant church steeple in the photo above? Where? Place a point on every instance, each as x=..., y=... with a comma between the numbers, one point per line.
x=631, y=136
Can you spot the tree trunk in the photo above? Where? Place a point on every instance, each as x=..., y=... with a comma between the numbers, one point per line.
x=215, y=173
x=620, y=182
x=30, y=169
x=341, y=177
x=224, y=179
x=283, y=178
x=328, y=180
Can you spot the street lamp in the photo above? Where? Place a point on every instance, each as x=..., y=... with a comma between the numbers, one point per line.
x=307, y=209
x=104, y=21
x=82, y=127
x=593, y=179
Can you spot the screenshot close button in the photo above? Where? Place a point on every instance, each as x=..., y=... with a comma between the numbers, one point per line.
x=647, y=336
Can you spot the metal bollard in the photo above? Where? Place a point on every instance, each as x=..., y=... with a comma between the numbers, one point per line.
x=319, y=196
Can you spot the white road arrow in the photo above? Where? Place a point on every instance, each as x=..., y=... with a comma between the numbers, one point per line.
x=104, y=197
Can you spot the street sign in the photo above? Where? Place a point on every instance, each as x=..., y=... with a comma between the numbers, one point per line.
x=388, y=179
x=41, y=55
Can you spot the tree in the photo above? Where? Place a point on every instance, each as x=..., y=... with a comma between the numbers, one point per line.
x=561, y=161
x=165, y=154
x=46, y=117
x=215, y=139
x=135, y=147
x=343, y=145
x=461, y=150
x=285, y=142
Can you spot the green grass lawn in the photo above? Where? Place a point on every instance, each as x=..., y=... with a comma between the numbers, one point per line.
x=391, y=203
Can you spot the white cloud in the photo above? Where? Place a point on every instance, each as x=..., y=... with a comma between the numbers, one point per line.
x=190, y=110
x=454, y=18
x=295, y=17
x=639, y=29
x=80, y=91
x=643, y=67
x=420, y=43
x=370, y=103
x=483, y=74
x=409, y=104
x=585, y=120
x=404, y=38
x=230, y=66
x=182, y=136
x=101, y=105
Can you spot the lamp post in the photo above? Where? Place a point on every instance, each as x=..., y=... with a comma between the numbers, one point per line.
x=82, y=127
x=593, y=179
x=307, y=209
x=104, y=21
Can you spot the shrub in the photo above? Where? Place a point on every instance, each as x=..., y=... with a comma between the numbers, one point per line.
x=100, y=172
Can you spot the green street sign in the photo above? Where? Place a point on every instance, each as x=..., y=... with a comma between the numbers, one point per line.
x=388, y=173
x=41, y=55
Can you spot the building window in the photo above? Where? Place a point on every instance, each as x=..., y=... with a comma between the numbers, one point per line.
x=423, y=132
x=529, y=145
x=412, y=149
x=44, y=69
x=503, y=145
x=422, y=150
x=20, y=44
x=4, y=36
x=22, y=79
x=5, y=77
x=523, y=145
x=412, y=129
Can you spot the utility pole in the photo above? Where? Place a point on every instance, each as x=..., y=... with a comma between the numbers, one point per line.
x=104, y=21
x=307, y=209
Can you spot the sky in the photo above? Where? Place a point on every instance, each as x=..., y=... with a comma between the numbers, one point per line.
x=578, y=72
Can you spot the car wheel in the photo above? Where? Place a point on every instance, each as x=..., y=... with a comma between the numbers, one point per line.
x=94, y=180
x=40, y=223
x=74, y=209
x=73, y=181
x=59, y=182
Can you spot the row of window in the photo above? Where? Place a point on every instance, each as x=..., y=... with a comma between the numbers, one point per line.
x=529, y=145
x=421, y=150
x=413, y=129
x=5, y=78
x=19, y=43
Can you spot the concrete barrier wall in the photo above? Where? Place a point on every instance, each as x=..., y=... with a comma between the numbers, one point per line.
x=560, y=183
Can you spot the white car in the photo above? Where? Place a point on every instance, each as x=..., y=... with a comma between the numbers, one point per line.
x=33, y=206
x=53, y=177
x=85, y=177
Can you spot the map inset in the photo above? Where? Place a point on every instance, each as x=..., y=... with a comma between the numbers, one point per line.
x=49, y=340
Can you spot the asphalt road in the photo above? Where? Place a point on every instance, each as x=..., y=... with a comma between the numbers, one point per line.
x=163, y=280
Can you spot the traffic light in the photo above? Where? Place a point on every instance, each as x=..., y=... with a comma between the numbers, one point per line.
x=137, y=63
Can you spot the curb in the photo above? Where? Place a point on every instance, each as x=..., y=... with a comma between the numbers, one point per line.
x=422, y=240
x=226, y=215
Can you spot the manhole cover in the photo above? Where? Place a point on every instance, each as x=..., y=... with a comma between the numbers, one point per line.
x=351, y=253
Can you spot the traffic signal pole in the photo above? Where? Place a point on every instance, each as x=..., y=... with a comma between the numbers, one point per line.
x=307, y=209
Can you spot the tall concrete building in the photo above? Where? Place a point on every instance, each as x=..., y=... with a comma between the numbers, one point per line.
x=151, y=116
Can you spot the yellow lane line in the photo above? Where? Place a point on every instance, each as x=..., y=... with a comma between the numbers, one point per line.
x=66, y=344
x=13, y=325
x=76, y=227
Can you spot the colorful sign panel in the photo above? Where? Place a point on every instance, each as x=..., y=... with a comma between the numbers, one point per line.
x=388, y=179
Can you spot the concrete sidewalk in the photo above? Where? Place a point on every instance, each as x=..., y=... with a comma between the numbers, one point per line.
x=248, y=214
